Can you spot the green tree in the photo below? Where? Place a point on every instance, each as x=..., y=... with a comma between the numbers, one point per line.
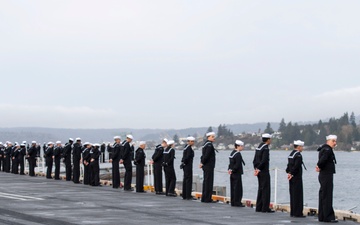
x=282, y=126
x=268, y=129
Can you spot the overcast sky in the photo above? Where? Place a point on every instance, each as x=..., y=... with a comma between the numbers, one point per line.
x=176, y=64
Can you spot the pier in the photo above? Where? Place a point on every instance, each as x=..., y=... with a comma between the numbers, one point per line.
x=36, y=200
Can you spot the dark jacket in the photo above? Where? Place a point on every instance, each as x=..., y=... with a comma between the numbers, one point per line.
x=327, y=159
x=67, y=150
x=95, y=154
x=188, y=155
x=77, y=150
x=262, y=157
x=127, y=153
x=169, y=156
x=140, y=157
x=158, y=155
x=294, y=166
x=208, y=155
x=115, y=150
x=236, y=162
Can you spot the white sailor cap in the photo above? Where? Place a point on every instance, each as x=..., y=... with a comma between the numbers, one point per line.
x=33, y=142
x=331, y=137
x=117, y=137
x=97, y=145
x=165, y=140
x=58, y=142
x=129, y=136
x=70, y=139
x=78, y=139
x=299, y=143
x=210, y=134
x=266, y=135
x=238, y=142
x=190, y=138
x=171, y=142
x=50, y=143
x=24, y=142
x=9, y=143
x=86, y=143
x=142, y=143
x=1, y=143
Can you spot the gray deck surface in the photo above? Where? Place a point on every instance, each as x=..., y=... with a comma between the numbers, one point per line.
x=37, y=200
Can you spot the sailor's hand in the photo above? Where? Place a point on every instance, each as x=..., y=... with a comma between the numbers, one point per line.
x=290, y=176
x=151, y=162
x=256, y=172
x=110, y=160
x=121, y=161
x=201, y=165
x=92, y=160
x=229, y=172
x=317, y=169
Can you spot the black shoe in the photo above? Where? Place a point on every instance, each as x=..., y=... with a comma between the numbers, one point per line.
x=302, y=216
x=212, y=201
x=131, y=189
x=172, y=195
x=269, y=211
x=160, y=193
x=242, y=205
x=332, y=221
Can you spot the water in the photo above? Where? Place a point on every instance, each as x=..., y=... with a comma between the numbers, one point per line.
x=346, y=179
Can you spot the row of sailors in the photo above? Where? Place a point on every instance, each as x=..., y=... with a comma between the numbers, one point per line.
x=163, y=160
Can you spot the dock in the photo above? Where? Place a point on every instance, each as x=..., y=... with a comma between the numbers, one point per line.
x=37, y=200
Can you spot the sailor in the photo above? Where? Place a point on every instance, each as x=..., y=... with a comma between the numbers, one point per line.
x=49, y=153
x=168, y=164
x=7, y=157
x=139, y=161
x=326, y=169
x=115, y=150
x=157, y=160
x=67, y=158
x=187, y=166
x=86, y=162
x=2, y=148
x=102, y=148
x=95, y=155
x=235, y=171
x=31, y=156
x=77, y=149
x=208, y=165
x=21, y=158
x=294, y=171
x=15, y=161
x=125, y=159
x=261, y=166
x=57, y=159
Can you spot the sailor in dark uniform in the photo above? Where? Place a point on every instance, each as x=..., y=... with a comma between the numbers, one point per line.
x=326, y=169
x=31, y=156
x=86, y=162
x=77, y=150
x=294, y=171
x=21, y=158
x=7, y=157
x=168, y=164
x=125, y=159
x=67, y=158
x=49, y=153
x=102, y=148
x=261, y=165
x=95, y=155
x=57, y=159
x=14, y=156
x=2, y=148
x=236, y=171
x=115, y=150
x=140, y=164
x=157, y=160
x=187, y=166
x=208, y=165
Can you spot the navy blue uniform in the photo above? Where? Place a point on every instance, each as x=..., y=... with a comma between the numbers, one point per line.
x=236, y=167
x=208, y=161
x=187, y=165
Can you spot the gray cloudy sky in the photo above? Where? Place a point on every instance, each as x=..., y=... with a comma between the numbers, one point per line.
x=176, y=64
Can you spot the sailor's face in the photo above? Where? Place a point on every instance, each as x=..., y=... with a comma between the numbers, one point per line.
x=211, y=138
x=332, y=143
x=191, y=143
